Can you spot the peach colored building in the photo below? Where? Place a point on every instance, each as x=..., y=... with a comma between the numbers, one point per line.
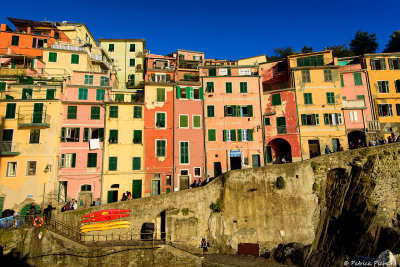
x=233, y=118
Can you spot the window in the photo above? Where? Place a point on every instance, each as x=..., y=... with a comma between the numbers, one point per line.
x=228, y=87
x=353, y=115
x=361, y=97
x=243, y=87
x=93, y=133
x=211, y=135
x=113, y=138
x=243, y=135
x=196, y=121
x=52, y=57
x=112, y=163
x=10, y=110
x=11, y=169
x=210, y=87
x=246, y=111
x=100, y=94
x=160, y=94
x=210, y=111
x=198, y=93
x=110, y=47
x=72, y=112
x=327, y=75
x=86, y=188
x=281, y=125
x=137, y=136
x=50, y=94
x=385, y=110
x=34, y=136
x=310, y=61
x=184, y=94
x=83, y=94
x=89, y=79
x=26, y=93
x=113, y=111
x=394, y=63
x=330, y=98
x=398, y=109
x=92, y=160
x=104, y=81
x=31, y=168
x=383, y=86
x=70, y=134
x=137, y=112
x=183, y=121
x=229, y=135
x=230, y=111
x=136, y=162
x=184, y=152
x=267, y=121
x=132, y=62
x=74, y=59
x=132, y=47
x=197, y=172
x=15, y=40
x=305, y=76
x=307, y=98
x=68, y=160
x=341, y=80
x=3, y=86
x=119, y=98
x=310, y=119
x=160, y=148
x=333, y=119
x=160, y=120
x=95, y=113
x=212, y=72
x=378, y=64
x=276, y=99
x=357, y=79
x=397, y=85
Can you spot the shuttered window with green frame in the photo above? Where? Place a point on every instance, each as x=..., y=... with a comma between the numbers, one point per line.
x=184, y=152
x=160, y=94
x=210, y=111
x=308, y=98
x=136, y=162
x=196, y=121
x=52, y=57
x=160, y=148
x=100, y=94
x=243, y=87
x=267, y=121
x=137, y=112
x=210, y=87
x=341, y=80
x=83, y=94
x=276, y=99
x=228, y=87
x=113, y=111
x=113, y=138
x=74, y=59
x=95, y=113
x=112, y=163
x=15, y=40
x=211, y=135
x=89, y=79
x=3, y=86
x=92, y=160
x=160, y=120
x=357, y=79
x=10, y=110
x=330, y=98
x=50, y=94
x=72, y=112
x=137, y=136
x=27, y=93
x=183, y=121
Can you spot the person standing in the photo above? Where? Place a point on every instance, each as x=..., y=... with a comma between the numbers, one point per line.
x=327, y=150
x=204, y=246
x=75, y=205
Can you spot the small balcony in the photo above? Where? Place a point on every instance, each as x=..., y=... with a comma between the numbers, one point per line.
x=12, y=72
x=8, y=149
x=127, y=98
x=67, y=47
x=33, y=119
x=156, y=78
x=373, y=126
x=141, y=53
x=189, y=64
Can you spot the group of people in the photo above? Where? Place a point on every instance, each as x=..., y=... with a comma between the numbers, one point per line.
x=70, y=205
x=198, y=183
x=381, y=141
x=328, y=150
x=126, y=196
x=95, y=203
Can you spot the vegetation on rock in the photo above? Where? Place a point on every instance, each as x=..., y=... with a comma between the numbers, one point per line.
x=280, y=183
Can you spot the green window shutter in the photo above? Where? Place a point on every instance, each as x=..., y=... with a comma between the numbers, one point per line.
x=95, y=113
x=161, y=149
x=187, y=92
x=113, y=111
x=72, y=112
x=74, y=59
x=239, y=111
x=210, y=111
x=228, y=87
x=62, y=161
x=341, y=80
x=210, y=87
x=243, y=87
x=330, y=98
x=196, y=121
x=303, y=119
x=83, y=94
x=101, y=133
x=15, y=40
x=10, y=110
x=211, y=135
x=212, y=72
x=137, y=112
x=34, y=40
x=50, y=94
x=357, y=79
x=317, y=119
x=201, y=93
x=224, y=135
x=250, y=111
x=233, y=133
x=184, y=152
x=250, y=134
x=160, y=94
x=136, y=163
x=183, y=121
x=307, y=98
x=27, y=93
x=300, y=62
x=178, y=92
x=132, y=47
x=76, y=138
x=326, y=119
x=100, y=94
x=239, y=133
x=3, y=86
x=267, y=121
x=137, y=136
x=111, y=47
x=276, y=99
x=113, y=138
x=62, y=134
x=85, y=134
x=32, y=63
x=234, y=111
x=132, y=62
x=52, y=57
x=112, y=163
x=73, y=163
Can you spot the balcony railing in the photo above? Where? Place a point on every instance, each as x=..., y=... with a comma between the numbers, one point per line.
x=189, y=65
x=127, y=98
x=7, y=148
x=102, y=59
x=373, y=125
x=12, y=72
x=141, y=53
x=160, y=79
x=33, y=119
x=190, y=79
x=67, y=47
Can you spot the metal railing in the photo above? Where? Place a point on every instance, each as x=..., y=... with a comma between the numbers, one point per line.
x=67, y=47
x=34, y=118
x=160, y=79
x=7, y=146
x=65, y=230
x=373, y=125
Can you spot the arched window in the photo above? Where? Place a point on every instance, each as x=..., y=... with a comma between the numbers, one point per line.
x=86, y=187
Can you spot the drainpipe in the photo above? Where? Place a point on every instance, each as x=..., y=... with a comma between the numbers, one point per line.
x=369, y=93
x=204, y=132
x=262, y=119
x=297, y=113
x=173, y=138
x=102, y=156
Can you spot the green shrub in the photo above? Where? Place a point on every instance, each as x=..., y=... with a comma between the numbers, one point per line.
x=315, y=186
x=315, y=167
x=365, y=151
x=280, y=183
x=185, y=211
x=216, y=207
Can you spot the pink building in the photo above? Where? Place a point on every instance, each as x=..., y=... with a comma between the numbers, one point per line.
x=82, y=135
x=356, y=100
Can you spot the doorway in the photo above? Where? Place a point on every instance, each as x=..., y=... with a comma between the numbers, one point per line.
x=183, y=182
x=37, y=113
x=62, y=191
x=236, y=163
x=155, y=187
x=268, y=153
x=163, y=219
x=255, y=160
x=314, y=148
x=217, y=169
x=136, y=188
x=112, y=196
x=85, y=199
x=335, y=144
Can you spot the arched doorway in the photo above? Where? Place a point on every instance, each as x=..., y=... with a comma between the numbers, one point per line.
x=356, y=139
x=26, y=208
x=280, y=150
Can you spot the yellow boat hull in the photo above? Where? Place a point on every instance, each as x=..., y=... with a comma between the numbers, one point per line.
x=104, y=228
x=104, y=224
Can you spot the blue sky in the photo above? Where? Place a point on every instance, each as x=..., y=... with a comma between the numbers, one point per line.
x=222, y=29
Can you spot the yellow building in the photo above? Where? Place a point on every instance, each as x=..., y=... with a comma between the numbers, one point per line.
x=384, y=78
x=252, y=60
x=30, y=135
x=124, y=147
x=316, y=79
x=78, y=33
x=128, y=57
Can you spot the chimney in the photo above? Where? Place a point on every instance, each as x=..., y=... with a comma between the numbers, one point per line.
x=3, y=27
x=52, y=33
x=28, y=30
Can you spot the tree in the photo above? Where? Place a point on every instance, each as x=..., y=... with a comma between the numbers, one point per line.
x=364, y=43
x=340, y=50
x=307, y=49
x=282, y=52
x=394, y=43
